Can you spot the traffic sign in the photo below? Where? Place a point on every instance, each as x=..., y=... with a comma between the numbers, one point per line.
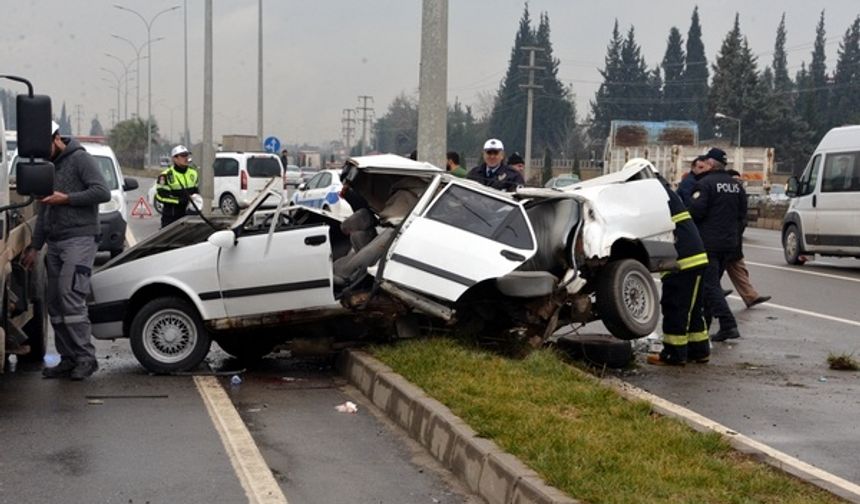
x=141, y=209
x=272, y=144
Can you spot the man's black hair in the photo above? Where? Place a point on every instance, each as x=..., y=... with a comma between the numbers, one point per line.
x=453, y=156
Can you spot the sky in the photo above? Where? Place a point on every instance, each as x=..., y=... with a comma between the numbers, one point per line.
x=319, y=56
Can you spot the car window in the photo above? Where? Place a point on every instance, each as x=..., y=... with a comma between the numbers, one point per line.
x=263, y=167
x=841, y=172
x=314, y=181
x=226, y=167
x=325, y=180
x=293, y=168
x=482, y=215
x=108, y=170
x=810, y=176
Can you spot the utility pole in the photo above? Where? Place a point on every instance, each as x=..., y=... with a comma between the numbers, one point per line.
x=260, y=72
x=433, y=83
x=78, y=112
x=364, y=109
x=207, y=179
x=186, y=140
x=531, y=86
x=348, y=121
x=112, y=118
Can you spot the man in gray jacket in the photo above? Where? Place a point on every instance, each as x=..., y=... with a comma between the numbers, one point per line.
x=68, y=221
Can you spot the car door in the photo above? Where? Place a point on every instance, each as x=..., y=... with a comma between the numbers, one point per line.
x=464, y=237
x=226, y=177
x=805, y=202
x=288, y=268
x=837, y=224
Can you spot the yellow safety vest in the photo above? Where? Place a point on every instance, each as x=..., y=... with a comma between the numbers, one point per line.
x=173, y=180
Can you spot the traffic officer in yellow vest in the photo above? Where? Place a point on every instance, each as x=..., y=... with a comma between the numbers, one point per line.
x=175, y=186
x=685, y=336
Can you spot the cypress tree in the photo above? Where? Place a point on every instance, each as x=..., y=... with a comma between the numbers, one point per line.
x=781, y=80
x=553, y=109
x=695, y=79
x=735, y=80
x=636, y=98
x=818, y=113
x=605, y=106
x=845, y=108
x=64, y=121
x=674, y=106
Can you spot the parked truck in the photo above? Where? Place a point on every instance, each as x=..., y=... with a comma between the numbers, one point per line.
x=23, y=314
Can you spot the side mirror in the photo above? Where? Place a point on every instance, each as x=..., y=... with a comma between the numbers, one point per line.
x=225, y=239
x=791, y=188
x=130, y=184
x=34, y=178
x=303, y=186
x=34, y=126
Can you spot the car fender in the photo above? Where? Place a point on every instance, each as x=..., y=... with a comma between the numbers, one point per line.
x=793, y=217
x=210, y=308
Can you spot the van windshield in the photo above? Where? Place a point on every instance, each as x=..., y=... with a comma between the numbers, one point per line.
x=263, y=167
x=108, y=170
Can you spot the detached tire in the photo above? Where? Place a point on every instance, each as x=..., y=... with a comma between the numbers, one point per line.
x=627, y=299
x=246, y=347
x=791, y=246
x=167, y=336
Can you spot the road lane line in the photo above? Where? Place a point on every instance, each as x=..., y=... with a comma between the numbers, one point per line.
x=747, y=245
x=253, y=472
x=806, y=312
x=797, y=270
x=129, y=237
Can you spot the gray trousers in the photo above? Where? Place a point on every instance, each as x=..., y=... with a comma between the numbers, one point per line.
x=70, y=265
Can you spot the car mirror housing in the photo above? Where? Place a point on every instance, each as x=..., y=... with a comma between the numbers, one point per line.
x=34, y=178
x=302, y=186
x=130, y=184
x=791, y=189
x=224, y=239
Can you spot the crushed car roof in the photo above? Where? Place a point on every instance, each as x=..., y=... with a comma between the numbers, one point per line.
x=392, y=162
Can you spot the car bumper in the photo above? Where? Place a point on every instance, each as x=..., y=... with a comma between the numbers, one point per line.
x=112, y=227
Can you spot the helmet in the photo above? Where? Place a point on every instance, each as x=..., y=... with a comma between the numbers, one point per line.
x=179, y=149
x=494, y=144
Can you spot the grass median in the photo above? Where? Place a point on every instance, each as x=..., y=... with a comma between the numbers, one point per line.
x=583, y=438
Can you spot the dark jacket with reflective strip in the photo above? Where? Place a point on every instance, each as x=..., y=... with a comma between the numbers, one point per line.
x=688, y=243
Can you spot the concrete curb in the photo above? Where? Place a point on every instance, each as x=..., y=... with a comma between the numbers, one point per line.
x=779, y=460
x=501, y=478
x=480, y=464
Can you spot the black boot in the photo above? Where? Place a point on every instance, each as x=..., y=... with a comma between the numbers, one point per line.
x=61, y=370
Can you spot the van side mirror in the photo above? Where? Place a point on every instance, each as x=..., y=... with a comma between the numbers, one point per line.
x=34, y=178
x=130, y=184
x=302, y=186
x=34, y=126
x=792, y=187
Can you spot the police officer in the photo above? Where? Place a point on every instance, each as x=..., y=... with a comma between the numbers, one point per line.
x=685, y=336
x=718, y=206
x=493, y=172
x=175, y=186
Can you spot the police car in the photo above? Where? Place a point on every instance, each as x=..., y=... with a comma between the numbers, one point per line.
x=429, y=247
x=323, y=191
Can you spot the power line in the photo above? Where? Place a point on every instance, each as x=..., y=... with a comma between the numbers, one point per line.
x=364, y=109
x=348, y=122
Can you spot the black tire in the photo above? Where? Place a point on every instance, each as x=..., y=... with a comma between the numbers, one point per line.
x=36, y=330
x=167, y=336
x=597, y=349
x=792, y=247
x=228, y=205
x=627, y=299
x=246, y=347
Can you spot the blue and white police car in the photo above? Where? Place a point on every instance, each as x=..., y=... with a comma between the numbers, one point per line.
x=323, y=191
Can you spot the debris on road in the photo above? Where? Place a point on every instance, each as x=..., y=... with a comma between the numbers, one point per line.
x=843, y=362
x=347, y=407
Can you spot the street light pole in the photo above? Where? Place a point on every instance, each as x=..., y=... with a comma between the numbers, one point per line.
x=117, y=87
x=720, y=115
x=185, y=132
x=125, y=77
x=137, y=50
x=148, y=25
x=433, y=82
x=260, y=71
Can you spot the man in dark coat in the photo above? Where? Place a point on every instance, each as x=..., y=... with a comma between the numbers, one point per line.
x=493, y=172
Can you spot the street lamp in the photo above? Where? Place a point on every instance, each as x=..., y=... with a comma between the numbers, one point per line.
x=720, y=115
x=116, y=86
x=148, y=25
x=136, y=50
x=125, y=67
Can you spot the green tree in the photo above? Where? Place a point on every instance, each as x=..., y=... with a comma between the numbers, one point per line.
x=637, y=83
x=96, y=128
x=465, y=133
x=553, y=107
x=397, y=130
x=695, y=79
x=605, y=106
x=845, y=108
x=817, y=91
x=64, y=121
x=674, y=92
x=128, y=140
x=781, y=80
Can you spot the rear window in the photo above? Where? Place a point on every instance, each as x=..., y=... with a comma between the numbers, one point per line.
x=226, y=167
x=264, y=167
x=482, y=215
x=108, y=170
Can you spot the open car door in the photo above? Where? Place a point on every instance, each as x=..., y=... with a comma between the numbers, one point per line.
x=465, y=236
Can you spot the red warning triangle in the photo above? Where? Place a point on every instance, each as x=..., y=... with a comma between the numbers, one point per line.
x=141, y=209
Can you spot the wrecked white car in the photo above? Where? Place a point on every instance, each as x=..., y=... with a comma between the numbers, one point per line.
x=421, y=245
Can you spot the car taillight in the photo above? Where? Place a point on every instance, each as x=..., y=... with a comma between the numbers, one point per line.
x=244, y=181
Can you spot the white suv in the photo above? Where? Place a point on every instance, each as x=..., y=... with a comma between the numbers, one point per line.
x=240, y=176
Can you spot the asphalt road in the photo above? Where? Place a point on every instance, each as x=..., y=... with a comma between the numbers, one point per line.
x=774, y=383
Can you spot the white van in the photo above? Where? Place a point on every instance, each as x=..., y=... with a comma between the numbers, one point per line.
x=240, y=176
x=824, y=214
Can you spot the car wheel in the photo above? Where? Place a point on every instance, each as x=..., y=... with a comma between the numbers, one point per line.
x=627, y=299
x=597, y=349
x=791, y=246
x=228, y=205
x=246, y=347
x=167, y=336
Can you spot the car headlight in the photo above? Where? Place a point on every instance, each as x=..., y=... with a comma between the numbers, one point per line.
x=110, y=206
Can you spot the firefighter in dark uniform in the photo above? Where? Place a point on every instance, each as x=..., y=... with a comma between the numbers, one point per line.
x=685, y=336
x=175, y=185
x=719, y=207
x=493, y=172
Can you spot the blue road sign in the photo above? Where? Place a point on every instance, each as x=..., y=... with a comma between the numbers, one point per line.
x=272, y=144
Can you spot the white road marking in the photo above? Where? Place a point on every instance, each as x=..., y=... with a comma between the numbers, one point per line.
x=806, y=312
x=747, y=245
x=804, y=272
x=253, y=472
x=129, y=237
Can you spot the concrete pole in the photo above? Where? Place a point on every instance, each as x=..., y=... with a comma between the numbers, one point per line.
x=433, y=83
x=260, y=72
x=148, y=95
x=530, y=87
x=207, y=180
x=185, y=133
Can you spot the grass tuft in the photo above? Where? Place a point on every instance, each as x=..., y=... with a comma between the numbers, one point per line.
x=843, y=362
x=581, y=436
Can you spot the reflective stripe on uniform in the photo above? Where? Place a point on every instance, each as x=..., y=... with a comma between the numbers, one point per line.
x=695, y=337
x=693, y=261
x=675, y=339
x=681, y=217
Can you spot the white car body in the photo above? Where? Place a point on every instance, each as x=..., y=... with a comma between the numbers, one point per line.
x=323, y=191
x=241, y=176
x=292, y=175
x=441, y=243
